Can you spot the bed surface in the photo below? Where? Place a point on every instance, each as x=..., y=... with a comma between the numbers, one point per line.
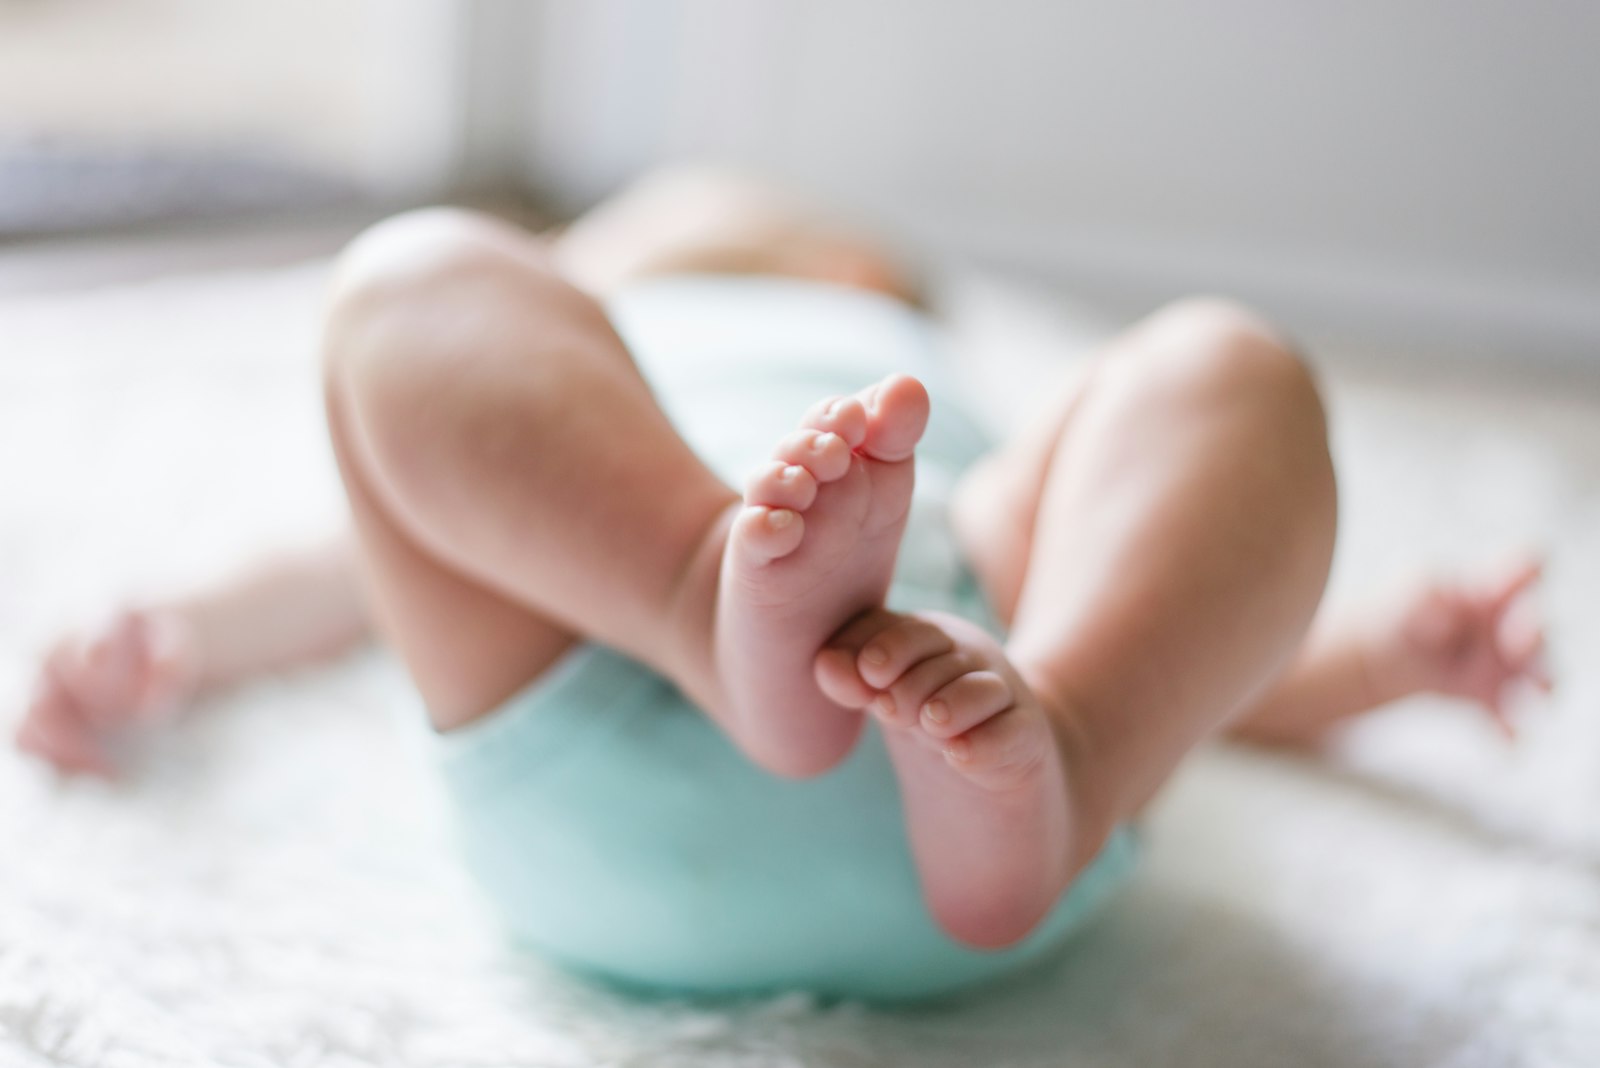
x=272, y=884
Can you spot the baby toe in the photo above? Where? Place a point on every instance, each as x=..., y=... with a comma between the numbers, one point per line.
x=836, y=676
x=912, y=690
x=964, y=703
x=1003, y=750
x=844, y=416
x=782, y=485
x=761, y=534
x=824, y=454
x=897, y=649
x=897, y=415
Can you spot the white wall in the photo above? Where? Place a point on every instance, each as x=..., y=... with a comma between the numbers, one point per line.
x=357, y=87
x=1397, y=171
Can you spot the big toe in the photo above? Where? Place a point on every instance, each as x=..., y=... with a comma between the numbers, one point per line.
x=897, y=414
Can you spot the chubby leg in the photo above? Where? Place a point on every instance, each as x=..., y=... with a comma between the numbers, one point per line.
x=1179, y=545
x=514, y=482
x=1175, y=523
x=476, y=403
x=516, y=485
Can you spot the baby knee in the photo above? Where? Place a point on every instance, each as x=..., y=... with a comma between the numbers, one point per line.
x=1211, y=317
x=400, y=279
x=381, y=358
x=420, y=252
x=1218, y=350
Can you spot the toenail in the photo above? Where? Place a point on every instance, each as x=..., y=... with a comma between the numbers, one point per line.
x=792, y=472
x=825, y=441
x=779, y=518
x=875, y=655
x=936, y=712
x=833, y=406
x=958, y=750
x=883, y=706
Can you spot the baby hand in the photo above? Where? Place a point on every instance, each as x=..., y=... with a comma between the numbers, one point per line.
x=133, y=669
x=1476, y=639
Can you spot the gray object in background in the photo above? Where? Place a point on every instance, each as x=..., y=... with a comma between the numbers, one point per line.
x=1422, y=172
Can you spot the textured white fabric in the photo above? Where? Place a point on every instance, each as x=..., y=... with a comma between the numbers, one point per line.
x=270, y=885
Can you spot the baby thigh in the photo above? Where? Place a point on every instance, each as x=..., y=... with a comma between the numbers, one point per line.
x=1166, y=536
x=513, y=482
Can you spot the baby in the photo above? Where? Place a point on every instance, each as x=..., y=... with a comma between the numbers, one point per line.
x=880, y=725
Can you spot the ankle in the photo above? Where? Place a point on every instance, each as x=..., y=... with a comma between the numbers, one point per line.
x=1092, y=802
x=687, y=655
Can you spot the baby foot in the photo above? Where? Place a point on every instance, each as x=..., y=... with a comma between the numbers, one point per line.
x=813, y=545
x=132, y=670
x=982, y=767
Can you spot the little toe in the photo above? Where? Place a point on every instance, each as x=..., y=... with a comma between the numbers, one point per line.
x=835, y=672
x=823, y=453
x=896, y=416
x=896, y=649
x=835, y=667
x=961, y=705
x=863, y=628
x=845, y=416
x=782, y=485
x=912, y=690
x=762, y=534
x=1003, y=750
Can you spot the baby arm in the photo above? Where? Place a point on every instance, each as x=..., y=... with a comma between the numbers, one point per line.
x=1474, y=639
x=140, y=665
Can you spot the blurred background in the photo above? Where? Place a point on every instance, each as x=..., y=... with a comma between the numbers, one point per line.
x=1422, y=174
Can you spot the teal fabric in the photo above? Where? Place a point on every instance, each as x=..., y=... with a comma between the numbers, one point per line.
x=619, y=832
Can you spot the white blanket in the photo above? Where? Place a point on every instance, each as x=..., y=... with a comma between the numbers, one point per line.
x=271, y=885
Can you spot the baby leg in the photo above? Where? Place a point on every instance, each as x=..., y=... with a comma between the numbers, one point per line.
x=1178, y=543
x=513, y=481
x=1173, y=522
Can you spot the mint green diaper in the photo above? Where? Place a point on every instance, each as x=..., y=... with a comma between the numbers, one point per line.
x=615, y=828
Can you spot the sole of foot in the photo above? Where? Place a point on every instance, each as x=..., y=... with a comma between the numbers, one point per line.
x=812, y=546
x=982, y=765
